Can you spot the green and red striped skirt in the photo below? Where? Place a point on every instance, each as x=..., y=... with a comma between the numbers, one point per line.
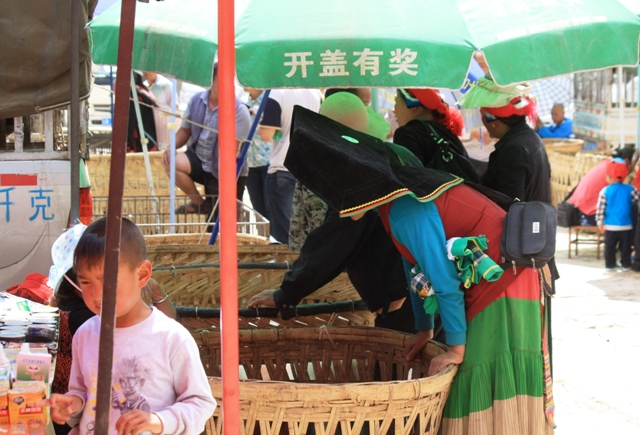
x=501, y=387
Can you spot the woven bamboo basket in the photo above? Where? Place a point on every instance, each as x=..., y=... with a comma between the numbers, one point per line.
x=352, y=318
x=199, y=286
x=135, y=180
x=325, y=379
x=568, y=169
x=566, y=146
x=183, y=249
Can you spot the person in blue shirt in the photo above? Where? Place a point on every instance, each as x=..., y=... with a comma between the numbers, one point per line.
x=614, y=215
x=561, y=128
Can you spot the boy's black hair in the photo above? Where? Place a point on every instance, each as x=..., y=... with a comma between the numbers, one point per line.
x=91, y=246
x=626, y=153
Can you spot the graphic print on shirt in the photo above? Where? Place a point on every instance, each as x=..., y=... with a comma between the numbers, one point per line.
x=129, y=376
x=90, y=408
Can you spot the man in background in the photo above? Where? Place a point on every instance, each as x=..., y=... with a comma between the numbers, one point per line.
x=275, y=125
x=561, y=127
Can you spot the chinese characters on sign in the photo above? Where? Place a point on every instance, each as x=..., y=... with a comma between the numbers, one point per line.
x=367, y=62
x=40, y=202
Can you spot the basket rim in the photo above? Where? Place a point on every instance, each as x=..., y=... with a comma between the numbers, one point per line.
x=254, y=389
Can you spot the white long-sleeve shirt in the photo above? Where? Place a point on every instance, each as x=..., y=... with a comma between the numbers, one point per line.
x=156, y=368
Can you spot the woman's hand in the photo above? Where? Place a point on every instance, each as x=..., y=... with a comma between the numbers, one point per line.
x=415, y=346
x=455, y=355
x=263, y=299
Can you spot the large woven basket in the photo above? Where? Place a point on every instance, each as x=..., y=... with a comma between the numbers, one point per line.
x=135, y=180
x=568, y=169
x=183, y=249
x=353, y=379
x=199, y=286
x=566, y=146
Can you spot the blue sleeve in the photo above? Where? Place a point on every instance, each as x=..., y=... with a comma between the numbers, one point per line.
x=423, y=321
x=564, y=130
x=419, y=228
x=186, y=116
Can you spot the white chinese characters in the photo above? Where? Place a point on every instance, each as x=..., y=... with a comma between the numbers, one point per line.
x=339, y=63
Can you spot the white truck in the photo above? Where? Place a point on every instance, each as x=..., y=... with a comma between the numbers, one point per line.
x=605, y=118
x=35, y=162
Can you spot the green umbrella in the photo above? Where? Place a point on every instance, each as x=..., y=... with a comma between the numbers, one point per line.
x=418, y=43
x=175, y=37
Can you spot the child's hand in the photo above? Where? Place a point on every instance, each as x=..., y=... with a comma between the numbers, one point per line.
x=62, y=406
x=601, y=228
x=137, y=421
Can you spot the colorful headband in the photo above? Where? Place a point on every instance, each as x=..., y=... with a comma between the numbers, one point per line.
x=519, y=106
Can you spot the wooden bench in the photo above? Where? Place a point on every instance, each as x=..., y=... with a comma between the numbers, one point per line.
x=576, y=230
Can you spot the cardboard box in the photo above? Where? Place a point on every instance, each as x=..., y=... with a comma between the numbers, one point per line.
x=33, y=367
x=4, y=397
x=21, y=404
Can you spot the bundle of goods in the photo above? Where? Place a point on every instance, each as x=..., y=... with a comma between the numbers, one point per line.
x=25, y=369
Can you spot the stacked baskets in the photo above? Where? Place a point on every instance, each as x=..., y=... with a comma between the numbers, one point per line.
x=567, y=169
x=188, y=272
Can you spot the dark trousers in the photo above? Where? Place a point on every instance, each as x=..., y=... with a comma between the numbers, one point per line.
x=280, y=187
x=257, y=187
x=614, y=240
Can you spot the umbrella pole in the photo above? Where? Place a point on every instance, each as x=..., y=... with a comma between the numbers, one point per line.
x=228, y=219
x=74, y=114
x=114, y=218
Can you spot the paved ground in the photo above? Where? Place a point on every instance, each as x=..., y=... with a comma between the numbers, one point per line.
x=596, y=347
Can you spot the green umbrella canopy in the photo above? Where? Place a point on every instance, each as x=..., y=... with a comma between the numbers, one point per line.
x=174, y=37
x=409, y=43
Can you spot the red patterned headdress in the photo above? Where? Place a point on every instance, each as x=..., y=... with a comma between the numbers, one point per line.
x=432, y=100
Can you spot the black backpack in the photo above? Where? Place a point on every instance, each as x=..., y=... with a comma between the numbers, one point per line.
x=528, y=230
x=529, y=234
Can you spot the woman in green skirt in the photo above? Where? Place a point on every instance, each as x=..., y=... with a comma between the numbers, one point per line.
x=494, y=321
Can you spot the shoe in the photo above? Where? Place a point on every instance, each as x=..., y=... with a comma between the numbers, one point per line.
x=193, y=208
x=625, y=268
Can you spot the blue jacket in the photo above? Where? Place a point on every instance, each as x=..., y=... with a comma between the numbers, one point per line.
x=564, y=130
x=619, y=203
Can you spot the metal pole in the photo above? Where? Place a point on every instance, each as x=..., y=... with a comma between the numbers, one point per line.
x=228, y=218
x=172, y=164
x=114, y=217
x=621, y=105
x=243, y=156
x=74, y=114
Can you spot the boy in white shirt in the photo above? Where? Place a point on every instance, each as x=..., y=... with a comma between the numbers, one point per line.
x=159, y=385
